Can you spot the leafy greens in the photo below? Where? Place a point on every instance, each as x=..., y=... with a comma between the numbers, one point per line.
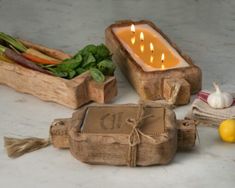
x=96, y=59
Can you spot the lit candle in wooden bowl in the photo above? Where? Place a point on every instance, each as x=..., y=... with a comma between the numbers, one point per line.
x=137, y=47
x=154, y=65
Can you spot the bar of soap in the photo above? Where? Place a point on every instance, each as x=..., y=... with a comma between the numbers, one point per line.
x=112, y=120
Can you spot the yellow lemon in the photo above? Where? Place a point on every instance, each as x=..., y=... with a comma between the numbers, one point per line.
x=227, y=130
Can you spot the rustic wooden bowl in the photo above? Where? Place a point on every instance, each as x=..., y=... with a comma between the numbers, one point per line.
x=71, y=93
x=157, y=84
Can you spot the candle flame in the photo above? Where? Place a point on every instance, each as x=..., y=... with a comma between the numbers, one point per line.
x=142, y=48
x=133, y=40
x=163, y=57
x=151, y=47
x=132, y=28
x=141, y=36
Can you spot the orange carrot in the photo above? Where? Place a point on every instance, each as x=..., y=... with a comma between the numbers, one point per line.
x=19, y=59
x=37, y=53
x=49, y=51
x=37, y=59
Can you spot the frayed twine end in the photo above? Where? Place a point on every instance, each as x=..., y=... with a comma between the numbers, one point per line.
x=16, y=147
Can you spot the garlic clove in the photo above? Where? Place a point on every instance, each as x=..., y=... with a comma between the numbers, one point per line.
x=228, y=98
x=219, y=99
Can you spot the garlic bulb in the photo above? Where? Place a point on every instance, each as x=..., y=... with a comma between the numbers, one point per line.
x=219, y=99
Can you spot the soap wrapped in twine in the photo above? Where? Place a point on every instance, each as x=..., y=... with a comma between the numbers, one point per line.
x=17, y=147
x=134, y=138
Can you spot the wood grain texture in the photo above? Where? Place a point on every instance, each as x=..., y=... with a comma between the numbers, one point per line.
x=71, y=93
x=149, y=85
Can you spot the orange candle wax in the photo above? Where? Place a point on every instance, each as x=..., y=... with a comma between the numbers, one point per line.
x=147, y=47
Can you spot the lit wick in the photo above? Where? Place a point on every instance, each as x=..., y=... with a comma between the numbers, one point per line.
x=162, y=60
x=133, y=28
x=141, y=36
x=133, y=33
x=151, y=47
x=141, y=40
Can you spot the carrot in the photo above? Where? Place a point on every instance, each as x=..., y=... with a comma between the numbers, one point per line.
x=37, y=59
x=37, y=53
x=48, y=51
x=5, y=59
x=19, y=59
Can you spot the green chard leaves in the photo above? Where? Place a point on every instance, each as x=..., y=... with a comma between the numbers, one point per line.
x=106, y=67
x=97, y=75
x=96, y=59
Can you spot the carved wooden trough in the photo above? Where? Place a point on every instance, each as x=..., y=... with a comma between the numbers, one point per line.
x=174, y=80
x=133, y=135
x=71, y=93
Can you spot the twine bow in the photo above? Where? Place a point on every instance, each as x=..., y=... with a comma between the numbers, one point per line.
x=134, y=138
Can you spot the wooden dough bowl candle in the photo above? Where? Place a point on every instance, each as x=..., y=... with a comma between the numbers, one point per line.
x=152, y=63
x=71, y=93
x=122, y=135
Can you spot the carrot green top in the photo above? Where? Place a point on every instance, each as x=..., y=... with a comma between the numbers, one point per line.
x=2, y=49
x=12, y=42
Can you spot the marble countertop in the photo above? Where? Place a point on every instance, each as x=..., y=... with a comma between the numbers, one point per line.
x=203, y=29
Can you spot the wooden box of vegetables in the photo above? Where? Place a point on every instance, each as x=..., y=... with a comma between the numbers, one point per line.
x=53, y=75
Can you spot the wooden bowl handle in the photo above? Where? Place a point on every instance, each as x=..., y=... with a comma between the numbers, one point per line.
x=102, y=92
x=59, y=133
x=186, y=134
x=176, y=91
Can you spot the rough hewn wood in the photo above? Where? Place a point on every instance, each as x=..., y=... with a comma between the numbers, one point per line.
x=60, y=127
x=149, y=85
x=186, y=134
x=71, y=93
x=170, y=85
x=179, y=135
x=59, y=133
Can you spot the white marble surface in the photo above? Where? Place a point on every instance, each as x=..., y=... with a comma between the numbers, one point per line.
x=203, y=29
